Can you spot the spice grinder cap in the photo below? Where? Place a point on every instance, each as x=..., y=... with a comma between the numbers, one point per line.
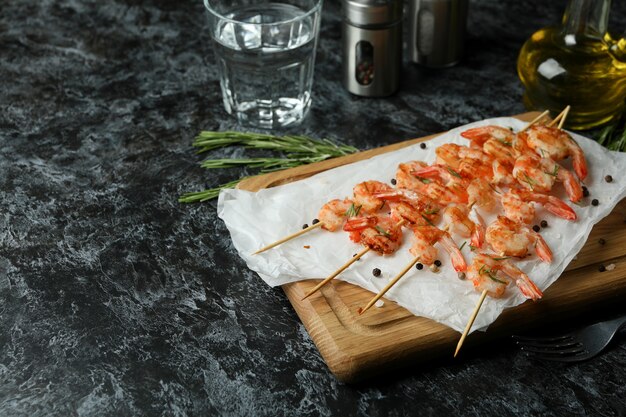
x=372, y=12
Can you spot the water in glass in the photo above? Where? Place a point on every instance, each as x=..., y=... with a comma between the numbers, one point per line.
x=266, y=67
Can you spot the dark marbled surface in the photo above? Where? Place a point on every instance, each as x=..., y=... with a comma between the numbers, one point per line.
x=117, y=300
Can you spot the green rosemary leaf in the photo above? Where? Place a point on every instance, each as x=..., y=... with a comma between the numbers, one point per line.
x=353, y=211
x=463, y=245
x=453, y=172
x=427, y=220
x=382, y=231
x=209, y=194
x=424, y=180
x=431, y=211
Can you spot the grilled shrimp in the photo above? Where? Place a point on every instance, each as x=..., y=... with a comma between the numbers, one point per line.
x=333, y=213
x=482, y=194
x=510, y=238
x=556, y=144
x=380, y=233
x=553, y=204
x=406, y=178
x=488, y=272
x=540, y=174
x=447, y=177
x=457, y=217
x=363, y=195
x=468, y=162
x=480, y=135
x=424, y=239
x=410, y=206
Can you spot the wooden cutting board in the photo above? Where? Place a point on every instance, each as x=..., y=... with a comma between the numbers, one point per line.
x=356, y=347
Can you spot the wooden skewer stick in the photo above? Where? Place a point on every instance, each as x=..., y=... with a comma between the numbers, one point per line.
x=388, y=286
x=566, y=112
x=470, y=322
x=535, y=120
x=337, y=272
x=559, y=117
x=345, y=266
x=291, y=236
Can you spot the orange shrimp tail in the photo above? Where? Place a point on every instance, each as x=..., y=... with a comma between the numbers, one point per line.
x=478, y=236
x=528, y=288
x=478, y=135
x=543, y=250
x=572, y=187
x=579, y=163
x=458, y=261
x=360, y=223
x=427, y=172
x=560, y=209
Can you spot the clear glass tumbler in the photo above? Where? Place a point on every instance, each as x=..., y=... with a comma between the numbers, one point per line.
x=266, y=54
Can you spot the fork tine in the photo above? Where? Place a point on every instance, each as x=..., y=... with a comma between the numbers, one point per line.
x=563, y=343
x=573, y=350
x=541, y=339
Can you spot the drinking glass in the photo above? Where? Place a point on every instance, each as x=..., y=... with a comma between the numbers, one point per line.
x=265, y=52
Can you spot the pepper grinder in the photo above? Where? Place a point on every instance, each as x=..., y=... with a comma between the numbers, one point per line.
x=437, y=31
x=372, y=46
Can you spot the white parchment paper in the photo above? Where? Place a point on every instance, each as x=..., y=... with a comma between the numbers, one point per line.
x=257, y=219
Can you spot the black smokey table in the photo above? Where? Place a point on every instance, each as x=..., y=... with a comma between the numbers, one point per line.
x=118, y=300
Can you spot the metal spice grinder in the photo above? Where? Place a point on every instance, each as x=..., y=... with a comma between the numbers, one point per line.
x=372, y=46
x=437, y=31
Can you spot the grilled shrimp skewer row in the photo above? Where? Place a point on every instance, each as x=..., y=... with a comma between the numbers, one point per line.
x=333, y=214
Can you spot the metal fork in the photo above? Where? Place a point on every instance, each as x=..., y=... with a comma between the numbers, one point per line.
x=578, y=345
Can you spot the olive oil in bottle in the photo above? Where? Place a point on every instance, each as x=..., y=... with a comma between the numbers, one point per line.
x=576, y=63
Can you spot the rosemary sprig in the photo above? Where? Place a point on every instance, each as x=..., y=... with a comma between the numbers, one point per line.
x=291, y=145
x=295, y=151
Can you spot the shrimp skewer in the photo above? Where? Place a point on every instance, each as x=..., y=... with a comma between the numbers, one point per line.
x=492, y=275
x=331, y=216
x=424, y=251
x=334, y=213
x=378, y=233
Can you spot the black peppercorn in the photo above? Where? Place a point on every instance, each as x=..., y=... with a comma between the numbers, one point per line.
x=304, y=226
x=423, y=145
x=437, y=263
x=536, y=228
x=393, y=181
x=595, y=202
x=601, y=241
x=585, y=192
x=602, y=268
x=608, y=178
x=419, y=266
x=376, y=272
x=544, y=224
x=315, y=221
